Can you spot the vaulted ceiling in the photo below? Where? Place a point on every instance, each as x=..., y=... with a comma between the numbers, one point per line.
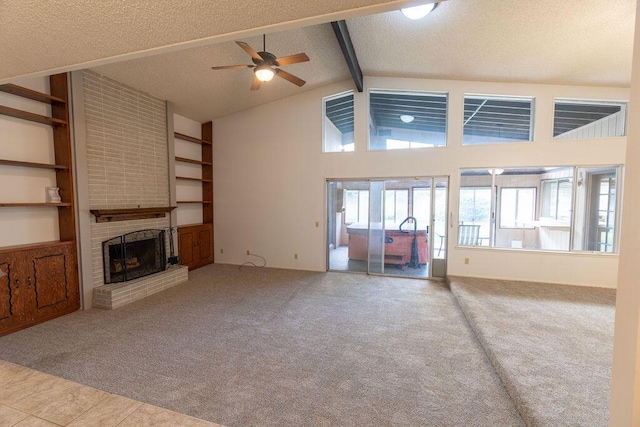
x=573, y=42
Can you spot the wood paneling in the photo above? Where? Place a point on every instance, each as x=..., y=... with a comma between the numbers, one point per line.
x=41, y=280
x=195, y=243
x=41, y=284
x=7, y=308
x=50, y=280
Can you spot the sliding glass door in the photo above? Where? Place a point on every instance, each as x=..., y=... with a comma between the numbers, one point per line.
x=392, y=227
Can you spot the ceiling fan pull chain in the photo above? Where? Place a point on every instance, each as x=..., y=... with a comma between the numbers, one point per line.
x=264, y=42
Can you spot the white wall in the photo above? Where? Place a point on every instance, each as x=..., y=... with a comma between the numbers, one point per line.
x=270, y=172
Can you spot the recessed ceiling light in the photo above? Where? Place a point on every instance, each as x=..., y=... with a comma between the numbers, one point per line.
x=418, y=12
x=407, y=118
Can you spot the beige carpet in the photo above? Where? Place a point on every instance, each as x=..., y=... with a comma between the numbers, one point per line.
x=282, y=348
x=551, y=345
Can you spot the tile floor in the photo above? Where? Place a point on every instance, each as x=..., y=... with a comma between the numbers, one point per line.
x=29, y=398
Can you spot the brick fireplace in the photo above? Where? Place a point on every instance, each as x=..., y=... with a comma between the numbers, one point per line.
x=127, y=167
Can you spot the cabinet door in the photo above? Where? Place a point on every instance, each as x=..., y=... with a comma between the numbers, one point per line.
x=204, y=244
x=11, y=295
x=51, y=283
x=186, y=246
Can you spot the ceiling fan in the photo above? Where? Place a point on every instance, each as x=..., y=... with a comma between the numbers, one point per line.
x=265, y=65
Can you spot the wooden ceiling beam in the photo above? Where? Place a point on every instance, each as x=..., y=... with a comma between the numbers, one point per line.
x=349, y=52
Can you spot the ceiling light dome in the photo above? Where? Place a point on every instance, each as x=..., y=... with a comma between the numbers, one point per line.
x=264, y=73
x=418, y=12
x=406, y=118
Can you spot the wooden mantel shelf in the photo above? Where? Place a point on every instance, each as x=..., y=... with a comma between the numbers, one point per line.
x=127, y=214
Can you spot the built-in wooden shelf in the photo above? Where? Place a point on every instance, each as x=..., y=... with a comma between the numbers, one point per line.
x=13, y=205
x=191, y=139
x=32, y=164
x=126, y=214
x=25, y=115
x=186, y=178
x=31, y=94
x=195, y=162
x=202, y=202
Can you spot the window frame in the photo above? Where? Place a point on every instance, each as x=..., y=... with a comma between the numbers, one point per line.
x=492, y=208
x=358, y=205
x=557, y=181
x=533, y=214
x=395, y=203
x=579, y=225
x=485, y=97
x=595, y=102
x=325, y=118
x=407, y=92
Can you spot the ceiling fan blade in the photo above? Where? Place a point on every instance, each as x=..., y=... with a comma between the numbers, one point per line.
x=292, y=59
x=289, y=77
x=250, y=51
x=256, y=83
x=231, y=67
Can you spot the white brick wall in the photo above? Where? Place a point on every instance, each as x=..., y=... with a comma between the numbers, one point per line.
x=126, y=145
x=127, y=159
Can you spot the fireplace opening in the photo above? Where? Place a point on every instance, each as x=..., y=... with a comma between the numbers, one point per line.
x=133, y=255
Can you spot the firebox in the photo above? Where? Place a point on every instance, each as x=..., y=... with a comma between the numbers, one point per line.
x=133, y=255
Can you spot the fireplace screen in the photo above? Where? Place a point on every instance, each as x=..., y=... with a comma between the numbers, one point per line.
x=133, y=255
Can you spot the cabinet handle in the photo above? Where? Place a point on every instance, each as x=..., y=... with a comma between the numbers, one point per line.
x=17, y=283
x=28, y=281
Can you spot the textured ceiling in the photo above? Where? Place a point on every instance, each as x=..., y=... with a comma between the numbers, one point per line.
x=200, y=93
x=572, y=42
x=575, y=42
x=60, y=35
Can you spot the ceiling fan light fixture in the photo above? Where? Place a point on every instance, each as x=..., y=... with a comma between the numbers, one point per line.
x=264, y=73
x=419, y=12
x=406, y=118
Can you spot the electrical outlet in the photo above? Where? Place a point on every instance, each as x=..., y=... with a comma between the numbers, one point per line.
x=221, y=251
x=248, y=252
x=466, y=260
x=295, y=256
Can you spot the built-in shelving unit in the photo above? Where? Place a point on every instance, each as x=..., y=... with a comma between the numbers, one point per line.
x=32, y=117
x=58, y=99
x=31, y=94
x=202, y=202
x=14, y=205
x=48, y=266
x=195, y=162
x=186, y=178
x=32, y=165
x=191, y=139
x=195, y=241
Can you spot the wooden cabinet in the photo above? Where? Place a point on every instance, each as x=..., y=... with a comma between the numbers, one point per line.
x=40, y=281
x=37, y=283
x=195, y=241
x=195, y=245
